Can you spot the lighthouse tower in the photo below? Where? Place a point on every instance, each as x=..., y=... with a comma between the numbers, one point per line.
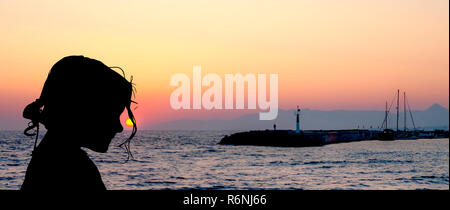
x=297, y=124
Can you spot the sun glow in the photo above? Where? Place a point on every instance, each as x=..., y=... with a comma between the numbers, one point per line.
x=129, y=123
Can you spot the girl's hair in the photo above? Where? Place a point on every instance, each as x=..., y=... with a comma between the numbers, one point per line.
x=73, y=83
x=126, y=143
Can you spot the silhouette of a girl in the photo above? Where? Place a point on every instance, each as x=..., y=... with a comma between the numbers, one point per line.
x=82, y=101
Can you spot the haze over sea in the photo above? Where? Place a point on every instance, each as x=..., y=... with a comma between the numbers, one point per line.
x=193, y=160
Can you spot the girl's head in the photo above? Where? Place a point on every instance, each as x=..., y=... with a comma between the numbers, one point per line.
x=83, y=99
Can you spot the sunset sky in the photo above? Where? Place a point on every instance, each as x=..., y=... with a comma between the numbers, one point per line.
x=347, y=54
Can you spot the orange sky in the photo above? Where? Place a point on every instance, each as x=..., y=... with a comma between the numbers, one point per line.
x=328, y=54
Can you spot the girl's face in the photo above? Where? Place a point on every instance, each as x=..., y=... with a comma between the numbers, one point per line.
x=103, y=128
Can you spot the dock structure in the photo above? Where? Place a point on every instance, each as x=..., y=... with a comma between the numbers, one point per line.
x=289, y=138
x=306, y=138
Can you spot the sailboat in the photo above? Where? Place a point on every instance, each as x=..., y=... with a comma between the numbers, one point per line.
x=389, y=134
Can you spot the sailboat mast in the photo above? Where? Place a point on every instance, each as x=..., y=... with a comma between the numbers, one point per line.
x=398, y=96
x=404, y=110
x=385, y=116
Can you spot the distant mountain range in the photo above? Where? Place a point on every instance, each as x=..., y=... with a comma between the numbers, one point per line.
x=435, y=117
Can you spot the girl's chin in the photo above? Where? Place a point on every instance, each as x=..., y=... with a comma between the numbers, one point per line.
x=100, y=149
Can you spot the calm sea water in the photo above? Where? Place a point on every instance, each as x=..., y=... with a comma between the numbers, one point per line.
x=193, y=160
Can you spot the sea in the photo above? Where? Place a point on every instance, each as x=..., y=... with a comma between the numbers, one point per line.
x=180, y=160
